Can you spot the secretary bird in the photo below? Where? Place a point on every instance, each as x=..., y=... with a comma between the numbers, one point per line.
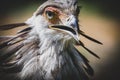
x=45, y=50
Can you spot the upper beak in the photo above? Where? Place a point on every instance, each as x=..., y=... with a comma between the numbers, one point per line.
x=69, y=25
x=67, y=29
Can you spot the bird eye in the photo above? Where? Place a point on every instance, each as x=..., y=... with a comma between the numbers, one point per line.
x=50, y=14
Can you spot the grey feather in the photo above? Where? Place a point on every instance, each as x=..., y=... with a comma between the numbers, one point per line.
x=12, y=40
x=90, y=38
x=24, y=30
x=3, y=38
x=11, y=26
x=89, y=50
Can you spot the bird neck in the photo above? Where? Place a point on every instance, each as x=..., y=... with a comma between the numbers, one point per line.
x=52, y=45
x=55, y=57
x=51, y=59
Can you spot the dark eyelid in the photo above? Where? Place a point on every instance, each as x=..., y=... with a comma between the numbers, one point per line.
x=51, y=12
x=42, y=11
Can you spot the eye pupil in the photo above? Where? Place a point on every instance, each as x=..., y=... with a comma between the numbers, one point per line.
x=49, y=14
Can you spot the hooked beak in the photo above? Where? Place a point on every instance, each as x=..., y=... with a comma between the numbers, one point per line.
x=67, y=29
x=69, y=26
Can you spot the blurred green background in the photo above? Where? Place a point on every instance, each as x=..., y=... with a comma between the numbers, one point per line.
x=98, y=18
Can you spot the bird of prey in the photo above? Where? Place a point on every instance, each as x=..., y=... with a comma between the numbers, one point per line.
x=45, y=50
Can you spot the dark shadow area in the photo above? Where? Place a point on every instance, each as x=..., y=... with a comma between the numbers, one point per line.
x=108, y=7
x=111, y=71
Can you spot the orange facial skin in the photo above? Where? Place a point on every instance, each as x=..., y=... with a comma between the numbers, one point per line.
x=58, y=17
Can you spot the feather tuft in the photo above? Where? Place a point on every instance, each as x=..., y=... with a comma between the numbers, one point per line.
x=11, y=26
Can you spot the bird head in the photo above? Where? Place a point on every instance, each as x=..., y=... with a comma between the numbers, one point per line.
x=57, y=20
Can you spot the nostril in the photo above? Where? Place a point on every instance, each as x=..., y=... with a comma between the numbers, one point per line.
x=68, y=19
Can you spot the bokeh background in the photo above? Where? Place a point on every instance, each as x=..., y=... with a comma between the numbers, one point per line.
x=98, y=18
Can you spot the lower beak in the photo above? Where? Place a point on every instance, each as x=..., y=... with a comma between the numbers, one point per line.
x=66, y=29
